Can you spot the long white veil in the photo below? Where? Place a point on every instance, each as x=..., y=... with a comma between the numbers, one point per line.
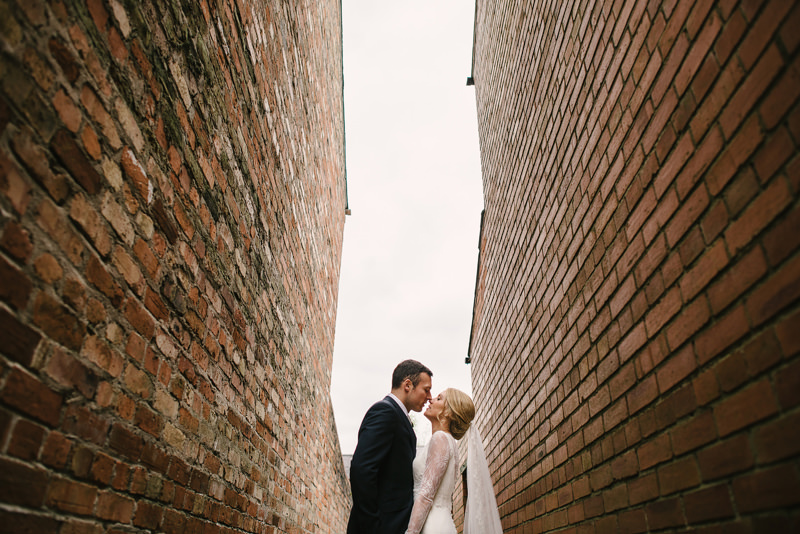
x=481, y=515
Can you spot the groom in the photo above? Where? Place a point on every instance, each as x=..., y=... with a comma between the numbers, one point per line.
x=381, y=477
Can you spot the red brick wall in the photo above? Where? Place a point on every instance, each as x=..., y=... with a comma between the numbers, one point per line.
x=172, y=202
x=636, y=329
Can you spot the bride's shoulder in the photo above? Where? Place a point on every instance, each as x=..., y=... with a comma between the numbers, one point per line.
x=440, y=435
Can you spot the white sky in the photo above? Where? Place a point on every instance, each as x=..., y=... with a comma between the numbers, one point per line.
x=414, y=186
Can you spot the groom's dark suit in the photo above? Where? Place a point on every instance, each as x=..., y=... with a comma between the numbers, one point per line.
x=380, y=473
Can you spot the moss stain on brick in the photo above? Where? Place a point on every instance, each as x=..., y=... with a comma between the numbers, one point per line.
x=207, y=347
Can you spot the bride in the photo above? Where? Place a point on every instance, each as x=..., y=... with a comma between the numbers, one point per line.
x=435, y=468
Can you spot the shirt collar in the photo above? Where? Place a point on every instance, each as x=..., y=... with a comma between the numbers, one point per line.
x=402, y=406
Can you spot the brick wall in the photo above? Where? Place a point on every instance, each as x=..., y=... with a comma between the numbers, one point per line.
x=172, y=202
x=635, y=340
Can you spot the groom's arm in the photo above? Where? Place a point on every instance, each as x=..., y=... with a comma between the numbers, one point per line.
x=374, y=443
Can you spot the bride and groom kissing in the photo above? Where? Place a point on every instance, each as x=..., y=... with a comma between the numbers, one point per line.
x=395, y=492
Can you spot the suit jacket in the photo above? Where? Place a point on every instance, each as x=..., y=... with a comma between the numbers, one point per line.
x=381, y=476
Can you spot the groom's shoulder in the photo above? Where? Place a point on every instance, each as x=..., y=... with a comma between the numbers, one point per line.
x=383, y=404
x=380, y=413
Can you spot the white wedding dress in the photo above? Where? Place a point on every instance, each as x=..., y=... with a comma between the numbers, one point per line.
x=434, y=482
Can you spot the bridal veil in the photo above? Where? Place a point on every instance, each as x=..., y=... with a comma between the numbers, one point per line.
x=481, y=515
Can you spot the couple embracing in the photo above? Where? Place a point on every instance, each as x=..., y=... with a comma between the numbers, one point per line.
x=395, y=492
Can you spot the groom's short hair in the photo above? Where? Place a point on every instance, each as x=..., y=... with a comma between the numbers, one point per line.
x=410, y=369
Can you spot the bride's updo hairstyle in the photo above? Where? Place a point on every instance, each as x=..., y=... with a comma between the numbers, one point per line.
x=459, y=410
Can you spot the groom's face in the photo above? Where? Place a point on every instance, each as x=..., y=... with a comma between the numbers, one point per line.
x=420, y=394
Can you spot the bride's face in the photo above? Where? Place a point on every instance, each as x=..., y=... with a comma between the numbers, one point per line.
x=436, y=407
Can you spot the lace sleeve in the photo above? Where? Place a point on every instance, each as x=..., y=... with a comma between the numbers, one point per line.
x=435, y=469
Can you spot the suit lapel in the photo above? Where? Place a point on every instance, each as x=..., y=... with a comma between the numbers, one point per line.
x=403, y=416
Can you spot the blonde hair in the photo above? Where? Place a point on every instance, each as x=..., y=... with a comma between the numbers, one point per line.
x=459, y=410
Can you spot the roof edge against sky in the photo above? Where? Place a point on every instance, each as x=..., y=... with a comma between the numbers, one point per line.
x=344, y=129
x=472, y=60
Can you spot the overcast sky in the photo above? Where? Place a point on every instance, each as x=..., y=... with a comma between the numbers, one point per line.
x=414, y=186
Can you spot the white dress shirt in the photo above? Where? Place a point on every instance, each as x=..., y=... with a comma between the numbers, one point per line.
x=402, y=406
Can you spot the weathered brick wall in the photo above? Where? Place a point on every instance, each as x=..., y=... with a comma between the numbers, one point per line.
x=637, y=329
x=172, y=202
